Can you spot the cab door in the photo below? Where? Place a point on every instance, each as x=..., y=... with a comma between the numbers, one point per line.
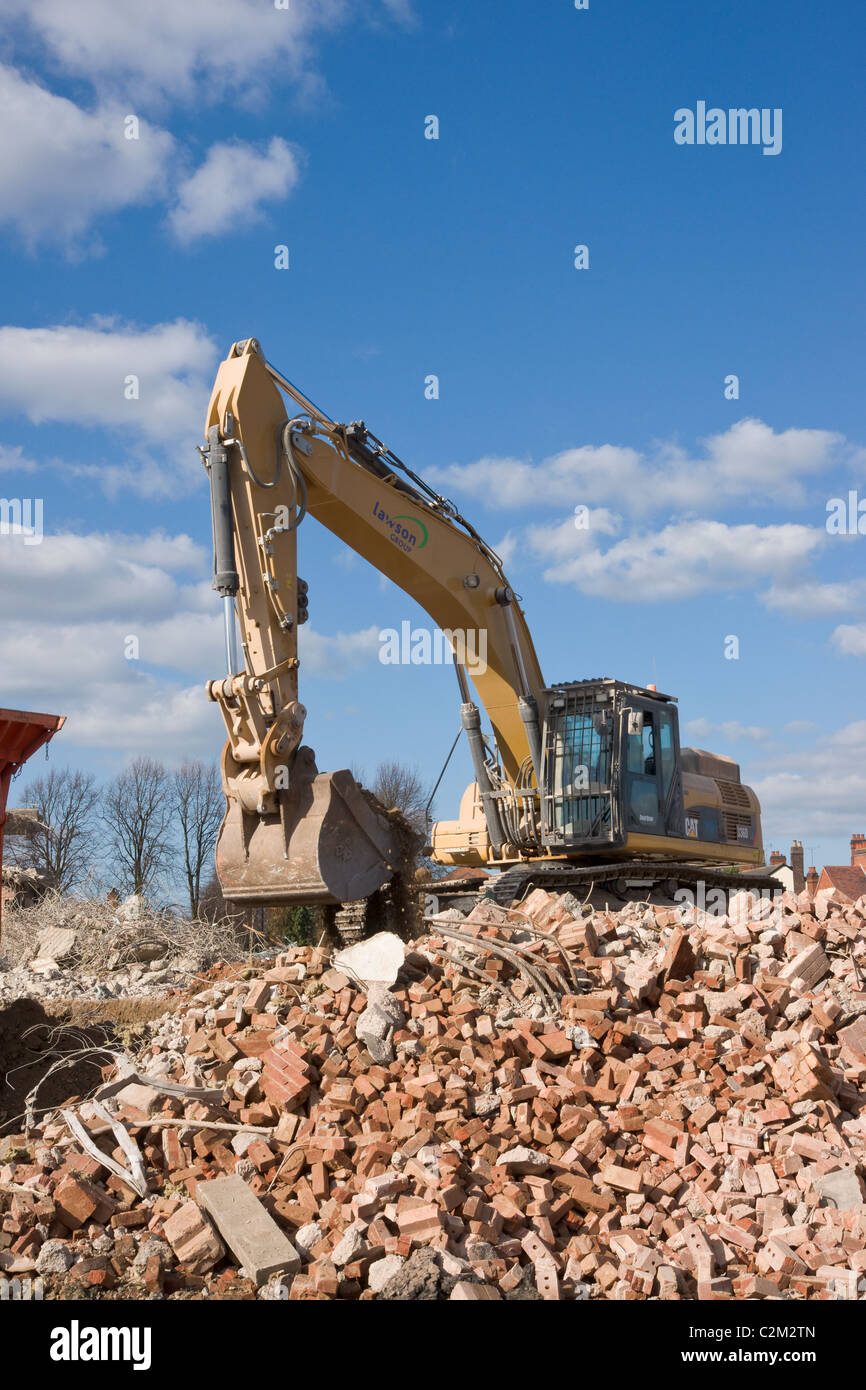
x=652, y=789
x=642, y=798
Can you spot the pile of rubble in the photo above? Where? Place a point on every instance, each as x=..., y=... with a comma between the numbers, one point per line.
x=57, y=948
x=20, y=886
x=556, y=1102
x=56, y=981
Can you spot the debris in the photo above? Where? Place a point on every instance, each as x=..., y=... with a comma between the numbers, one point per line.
x=58, y=943
x=55, y=1257
x=376, y=1025
x=193, y=1239
x=522, y=1160
x=419, y=1278
x=349, y=1248
x=670, y=1106
x=135, y=1177
x=57, y=947
x=381, y=1271
x=46, y=966
x=474, y=1292
x=841, y=1189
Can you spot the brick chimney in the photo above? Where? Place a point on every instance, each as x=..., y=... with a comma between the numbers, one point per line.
x=812, y=879
x=858, y=851
x=796, y=862
x=776, y=858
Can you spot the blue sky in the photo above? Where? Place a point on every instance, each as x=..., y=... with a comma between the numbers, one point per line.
x=559, y=387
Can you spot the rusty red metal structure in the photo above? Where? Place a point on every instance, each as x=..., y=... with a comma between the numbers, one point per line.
x=22, y=733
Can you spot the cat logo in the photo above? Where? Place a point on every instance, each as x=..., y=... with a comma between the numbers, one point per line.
x=692, y=827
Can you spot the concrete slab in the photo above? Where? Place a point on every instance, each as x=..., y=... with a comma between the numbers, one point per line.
x=251, y=1234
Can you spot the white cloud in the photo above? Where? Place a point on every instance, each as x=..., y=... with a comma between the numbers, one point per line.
x=729, y=728
x=819, y=791
x=677, y=562
x=78, y=601
x=750, y=460
x=507, y=549
x=77, y=578
x=584, y=475
x=69, y=166
x=78, y=668
x=561, y=540
x=850, y=640
x=564, y=539
x=813, y=599
x=750, y=456
x=227, y=190
x=13, y=460
x=61, y=166
x=70, y=162
x=339, y=655
x=146, y=716
x=174, y=50
x=401, y=10
x=76, y=375
x=800, y=726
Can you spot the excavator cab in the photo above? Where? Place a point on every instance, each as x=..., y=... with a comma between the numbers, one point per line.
x=614, y=777
x=610, y=765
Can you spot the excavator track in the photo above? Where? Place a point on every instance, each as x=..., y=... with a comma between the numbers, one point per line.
x=393, y=908
x=622, y=879
x=349, y=921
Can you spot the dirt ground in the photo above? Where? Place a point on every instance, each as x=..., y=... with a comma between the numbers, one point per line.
x=32, y=1040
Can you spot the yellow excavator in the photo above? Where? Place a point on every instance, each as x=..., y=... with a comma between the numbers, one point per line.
x=582, y=783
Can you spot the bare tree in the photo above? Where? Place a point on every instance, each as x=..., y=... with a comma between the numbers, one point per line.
x=199, y=805
x=60, y=842
x=213, y=907
x=397, y=785
x=137, y=813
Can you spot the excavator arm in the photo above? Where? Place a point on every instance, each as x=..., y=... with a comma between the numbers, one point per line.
x=268, y=468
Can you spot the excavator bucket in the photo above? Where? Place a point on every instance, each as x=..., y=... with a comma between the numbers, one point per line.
x=327, y=844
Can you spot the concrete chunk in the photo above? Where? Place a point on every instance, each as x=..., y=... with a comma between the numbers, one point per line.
x=376, y=1025
x=248, y=1230
x=378, y=959
x=349, y=1248
x=381, y=1271
x=840, y=1189
x=144, y=1100
x=523, y=1160
x=56, y=942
